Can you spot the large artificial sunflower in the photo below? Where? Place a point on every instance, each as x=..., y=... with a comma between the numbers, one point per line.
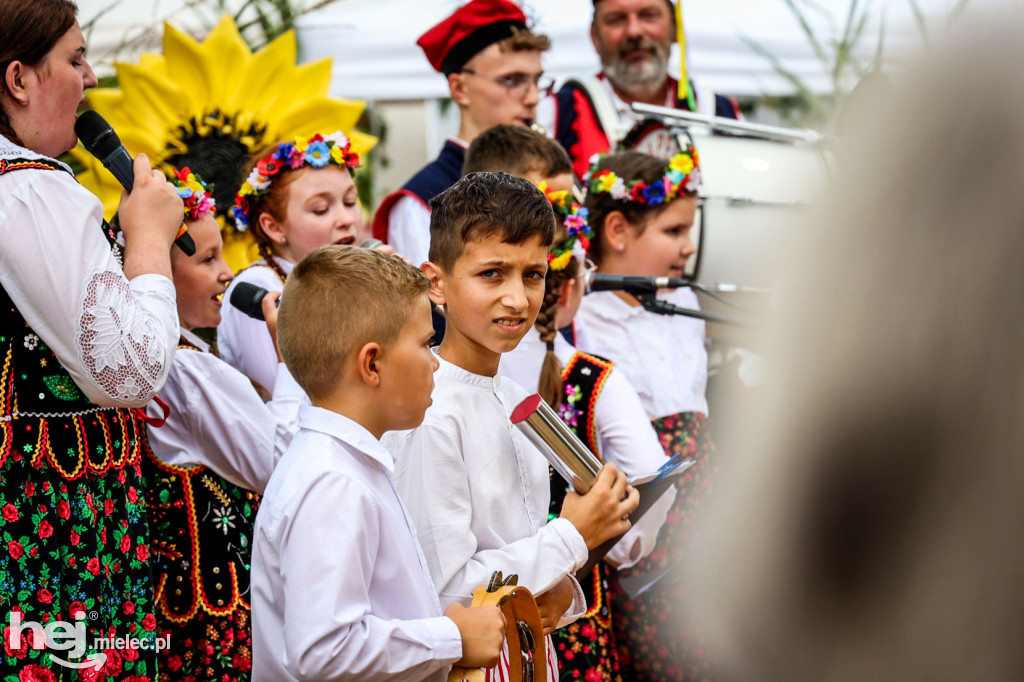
x=211, y=106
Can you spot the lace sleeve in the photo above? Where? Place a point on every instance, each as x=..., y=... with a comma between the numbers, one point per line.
x=115, y=337
x=120, y=345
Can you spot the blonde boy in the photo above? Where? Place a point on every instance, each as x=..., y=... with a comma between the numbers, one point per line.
x=474, y=485
x=340, y=586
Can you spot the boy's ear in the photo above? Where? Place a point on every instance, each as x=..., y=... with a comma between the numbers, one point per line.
x=617, y=231
x=457, y=89
x=271, y=227
x=368, y=360
x=436, y=276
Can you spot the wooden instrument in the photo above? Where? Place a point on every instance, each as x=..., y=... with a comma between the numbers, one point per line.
x=524, y=633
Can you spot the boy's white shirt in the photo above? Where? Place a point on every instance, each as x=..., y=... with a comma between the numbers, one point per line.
x=340, y=588
x=478, y=492
x=662, y=356
x=219, y=420
x=244, y=342
x=624, y=434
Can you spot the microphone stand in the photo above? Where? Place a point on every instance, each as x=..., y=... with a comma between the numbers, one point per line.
x=655, y=305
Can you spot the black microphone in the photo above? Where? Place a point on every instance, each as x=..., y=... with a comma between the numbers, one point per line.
x=635, y=284
x=249, y=299
x=101, y=141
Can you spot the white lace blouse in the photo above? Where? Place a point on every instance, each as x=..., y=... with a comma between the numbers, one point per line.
x=115, y=337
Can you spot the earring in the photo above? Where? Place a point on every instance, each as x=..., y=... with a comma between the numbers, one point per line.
x=621, y=247
x=284, y=240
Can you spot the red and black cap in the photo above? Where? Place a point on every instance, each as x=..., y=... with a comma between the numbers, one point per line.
x=471, y=28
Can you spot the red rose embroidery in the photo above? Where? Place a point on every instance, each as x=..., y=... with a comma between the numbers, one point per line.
x=142, y=552
x=93, y=566
x=63, y=509
x=126, y=543
x=36, y=673
x=15, y=548
x=45, y=529
x=10, y=513
x=45, y=596
x=74, y=608
x=149, y=622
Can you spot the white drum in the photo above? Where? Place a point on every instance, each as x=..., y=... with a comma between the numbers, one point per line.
x=753, y=192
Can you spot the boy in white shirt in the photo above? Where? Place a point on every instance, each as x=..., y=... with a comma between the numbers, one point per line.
x=341, y=590
x=476, y=488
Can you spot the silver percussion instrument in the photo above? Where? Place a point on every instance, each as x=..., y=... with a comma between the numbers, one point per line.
x=756, y=180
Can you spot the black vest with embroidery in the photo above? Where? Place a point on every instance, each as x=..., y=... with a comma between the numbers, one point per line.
x=202, y=527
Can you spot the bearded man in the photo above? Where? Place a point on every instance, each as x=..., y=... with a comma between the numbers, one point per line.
x=632, y=38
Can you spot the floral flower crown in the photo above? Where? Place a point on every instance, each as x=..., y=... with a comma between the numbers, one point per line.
x=196, y=194
x=681, y=176
x=575, y=220
x=317, y=151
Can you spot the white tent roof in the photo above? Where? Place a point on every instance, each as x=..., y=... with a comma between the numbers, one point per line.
x=373, y=42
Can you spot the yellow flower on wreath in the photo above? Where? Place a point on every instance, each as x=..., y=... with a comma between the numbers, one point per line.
x=216, y=102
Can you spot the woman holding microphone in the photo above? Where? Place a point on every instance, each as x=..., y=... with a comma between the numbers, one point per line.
x=87, y=333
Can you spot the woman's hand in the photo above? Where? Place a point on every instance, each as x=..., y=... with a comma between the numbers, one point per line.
x=150, y=217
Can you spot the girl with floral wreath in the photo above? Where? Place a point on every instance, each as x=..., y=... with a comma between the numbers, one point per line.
x=208, y=464
x=642, y=209
x=298, y=196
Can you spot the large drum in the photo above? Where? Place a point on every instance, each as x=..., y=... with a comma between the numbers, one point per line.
x=757, y=181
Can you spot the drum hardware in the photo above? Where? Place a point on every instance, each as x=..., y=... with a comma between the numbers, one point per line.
x=727, y=125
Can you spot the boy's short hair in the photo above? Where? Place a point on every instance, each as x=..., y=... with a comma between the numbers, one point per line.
x=337, y=299
x=484, y=204
x=517, y=150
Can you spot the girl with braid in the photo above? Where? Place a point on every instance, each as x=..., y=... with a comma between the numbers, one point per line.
x=299, y=195
x=642, y=209
x=604, y=410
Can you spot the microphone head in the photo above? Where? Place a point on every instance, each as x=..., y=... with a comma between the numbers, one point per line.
x=96, y=134
x=370, y=243
x=249, y=299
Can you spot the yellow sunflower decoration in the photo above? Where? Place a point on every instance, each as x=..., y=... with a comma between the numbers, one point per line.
x=210, y=106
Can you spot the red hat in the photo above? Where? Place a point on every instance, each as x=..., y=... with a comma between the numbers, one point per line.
x=471, y=28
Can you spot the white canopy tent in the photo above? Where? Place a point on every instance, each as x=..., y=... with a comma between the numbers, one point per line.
x=373, y=42
x=373, y=45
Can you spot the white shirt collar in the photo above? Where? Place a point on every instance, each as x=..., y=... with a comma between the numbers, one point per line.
x=195, y=340
x=346, y=430
x=466, y=377
x=9, y=150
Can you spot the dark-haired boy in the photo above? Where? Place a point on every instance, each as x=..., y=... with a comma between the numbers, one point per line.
x=475, y=487
x=340, y=587
x=520, y=151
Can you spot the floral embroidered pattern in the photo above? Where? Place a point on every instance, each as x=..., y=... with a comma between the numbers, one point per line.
x=120, y=344
x=568, y=411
